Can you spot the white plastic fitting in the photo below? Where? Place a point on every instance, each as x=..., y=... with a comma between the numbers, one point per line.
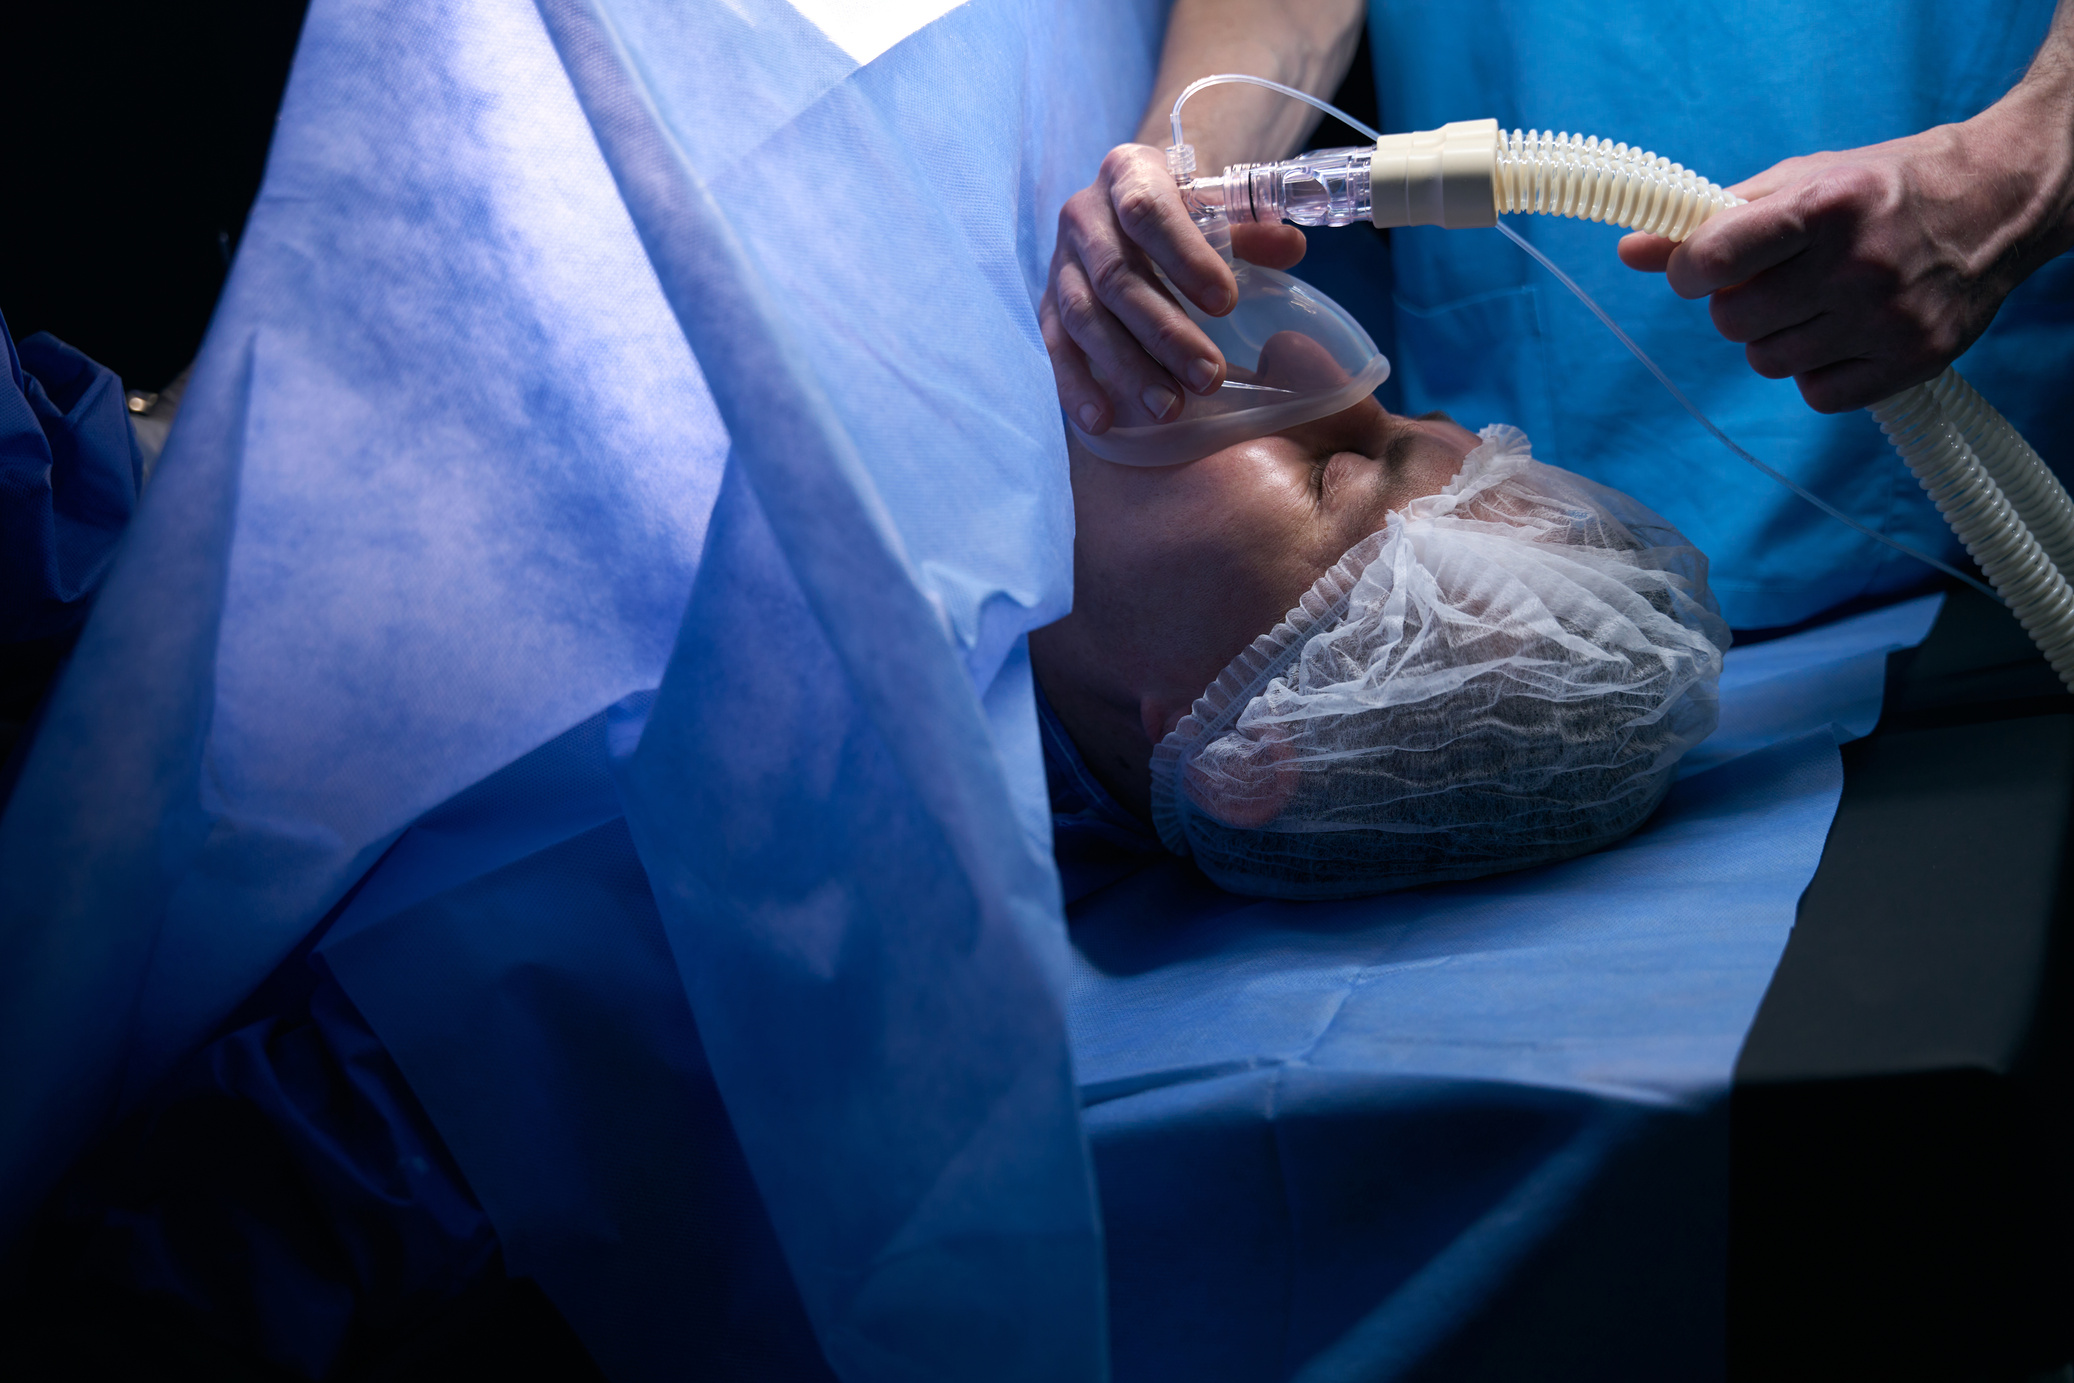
x=1444, y=177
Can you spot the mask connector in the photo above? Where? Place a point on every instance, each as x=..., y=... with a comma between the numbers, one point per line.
x=1204, y=199
x=1443, y=177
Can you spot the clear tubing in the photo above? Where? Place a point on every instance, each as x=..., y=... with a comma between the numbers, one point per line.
x=1220, y=78
x=1722, y=437
x=1961, y=451
x=1534, y=171
x=1207, y=197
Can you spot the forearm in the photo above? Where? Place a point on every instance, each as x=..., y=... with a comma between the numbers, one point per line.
x=1306, y=44
x=2037, y=119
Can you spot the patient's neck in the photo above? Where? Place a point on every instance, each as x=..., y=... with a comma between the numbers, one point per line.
x=1109, y=732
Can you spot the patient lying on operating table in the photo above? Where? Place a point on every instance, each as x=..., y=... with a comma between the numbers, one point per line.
x=1374, y=651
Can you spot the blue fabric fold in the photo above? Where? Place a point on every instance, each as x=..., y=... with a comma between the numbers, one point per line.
x=439, y=484
x=285, y=1188
x=69, y=475
x=440, y=493
x=861, y=874
x=515, y=964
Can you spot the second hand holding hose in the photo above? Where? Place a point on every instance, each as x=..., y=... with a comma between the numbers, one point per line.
x=2008, y=509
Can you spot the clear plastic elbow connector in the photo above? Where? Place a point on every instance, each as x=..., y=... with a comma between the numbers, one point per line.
x=1326, y=187
x=2005, y=505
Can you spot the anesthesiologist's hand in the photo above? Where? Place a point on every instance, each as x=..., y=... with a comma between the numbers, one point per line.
x=1105, y=313
x=1863, y=272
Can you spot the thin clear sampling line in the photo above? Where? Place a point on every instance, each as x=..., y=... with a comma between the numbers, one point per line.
x=1722, y=437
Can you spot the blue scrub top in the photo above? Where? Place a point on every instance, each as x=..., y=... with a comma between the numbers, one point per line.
x=1485, y=334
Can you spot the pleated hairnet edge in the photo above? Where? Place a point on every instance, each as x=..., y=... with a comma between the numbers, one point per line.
x=1247, y=675
x=1243, y=678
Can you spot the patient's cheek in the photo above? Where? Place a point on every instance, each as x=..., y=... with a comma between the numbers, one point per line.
x=1244, y=782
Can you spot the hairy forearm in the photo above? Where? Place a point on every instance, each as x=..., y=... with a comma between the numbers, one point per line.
x=1860, y=272
x=1306, y=44
x=2038, y=115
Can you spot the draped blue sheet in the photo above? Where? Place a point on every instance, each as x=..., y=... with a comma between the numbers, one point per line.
x=591, y=568
x=1436, y=1134
x=439, y=492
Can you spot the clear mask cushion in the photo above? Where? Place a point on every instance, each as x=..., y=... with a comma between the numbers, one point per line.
x=1293, y=356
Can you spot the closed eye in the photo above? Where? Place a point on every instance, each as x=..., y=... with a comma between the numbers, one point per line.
x=1322, y=480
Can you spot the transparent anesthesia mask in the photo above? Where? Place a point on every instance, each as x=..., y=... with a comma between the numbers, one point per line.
x=1292, y=356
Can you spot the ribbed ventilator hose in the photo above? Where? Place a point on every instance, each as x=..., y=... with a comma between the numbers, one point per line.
x=2013, y=515
x=1596, y=180
x=2030, y=487
x=1988, y=523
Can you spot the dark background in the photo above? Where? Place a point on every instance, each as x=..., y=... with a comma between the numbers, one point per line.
x=137, y=136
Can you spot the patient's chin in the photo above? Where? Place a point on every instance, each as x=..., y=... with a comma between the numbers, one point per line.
x=1244, y=782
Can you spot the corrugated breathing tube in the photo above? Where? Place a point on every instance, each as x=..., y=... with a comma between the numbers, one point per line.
x=2008, y=509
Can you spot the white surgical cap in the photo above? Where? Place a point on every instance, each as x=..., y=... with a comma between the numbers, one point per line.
x=1505, y=675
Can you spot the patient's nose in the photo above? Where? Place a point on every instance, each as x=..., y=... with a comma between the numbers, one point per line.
x=1292, y=360
x=1365, y=428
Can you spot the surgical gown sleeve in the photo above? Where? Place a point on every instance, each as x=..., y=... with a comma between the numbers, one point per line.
x=69, y=473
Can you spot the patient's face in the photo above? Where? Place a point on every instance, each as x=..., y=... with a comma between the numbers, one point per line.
x=1177, y=568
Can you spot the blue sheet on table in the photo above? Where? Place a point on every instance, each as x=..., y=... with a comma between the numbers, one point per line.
x=1342, y=1136
x=443, y=485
